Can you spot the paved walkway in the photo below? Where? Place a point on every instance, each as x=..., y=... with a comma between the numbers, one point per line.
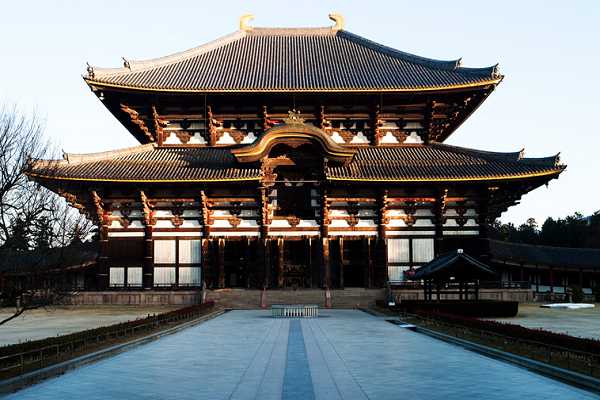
x=341, y=355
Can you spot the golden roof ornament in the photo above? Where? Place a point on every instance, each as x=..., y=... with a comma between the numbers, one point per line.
x=339, y=21
x=244, y=19
x=293, y=118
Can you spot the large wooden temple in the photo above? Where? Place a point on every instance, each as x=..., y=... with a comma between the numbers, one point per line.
x=288, y=157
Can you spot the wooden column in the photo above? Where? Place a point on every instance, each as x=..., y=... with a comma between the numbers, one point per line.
x=368, y=276
x=551, y=280
x=266, y=245
x=102, y=274
x=221, y=262
x=248, y=265
x=381, y=257
x=326, y=263
x=341, y=257
x=148, y=269
x=438, y=212
x=207, y=275
x=308, y=243
x=280, y=261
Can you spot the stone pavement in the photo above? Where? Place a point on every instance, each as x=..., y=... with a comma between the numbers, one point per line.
x=343, y=354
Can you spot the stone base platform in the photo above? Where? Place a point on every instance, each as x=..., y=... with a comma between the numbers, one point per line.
x=142, y=298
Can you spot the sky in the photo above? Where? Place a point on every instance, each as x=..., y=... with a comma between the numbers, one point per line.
x=549, y=52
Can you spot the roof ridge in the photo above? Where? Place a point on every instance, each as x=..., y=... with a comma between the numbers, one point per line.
x=510, y=156
x=74, y=158
x=448, y=65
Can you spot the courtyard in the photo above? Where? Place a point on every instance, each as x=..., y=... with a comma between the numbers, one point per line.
x=582, y=323
x=343, y=354
x=62, y=320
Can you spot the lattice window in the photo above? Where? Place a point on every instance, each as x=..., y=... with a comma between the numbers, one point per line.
x=164, y=252
x=116, y=277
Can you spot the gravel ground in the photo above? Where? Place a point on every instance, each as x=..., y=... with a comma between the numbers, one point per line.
x=583, y=323
x=43, y=323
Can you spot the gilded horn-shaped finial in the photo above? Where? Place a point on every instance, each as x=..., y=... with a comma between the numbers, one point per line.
x=339, y=21
x=244, y=22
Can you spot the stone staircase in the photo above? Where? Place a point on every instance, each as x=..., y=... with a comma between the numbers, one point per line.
x=250, y=298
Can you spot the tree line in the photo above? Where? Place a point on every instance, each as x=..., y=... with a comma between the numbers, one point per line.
x=574, y=230
x=34, y=221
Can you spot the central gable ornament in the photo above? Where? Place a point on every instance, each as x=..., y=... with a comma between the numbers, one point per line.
x=294, y=118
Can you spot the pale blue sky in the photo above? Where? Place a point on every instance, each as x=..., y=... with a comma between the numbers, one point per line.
x=548, y=50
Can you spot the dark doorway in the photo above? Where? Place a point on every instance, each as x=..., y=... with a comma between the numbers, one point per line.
x=235, y=260
x=296, y=269
x=355, y=263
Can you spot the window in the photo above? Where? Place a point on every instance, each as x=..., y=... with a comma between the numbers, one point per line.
x=190, y=251
x=116, y=277
x=134, y=276
x=164, y=276
x=422, y=250
x=190, y=276
x=398, y=250
x=164, y=251
x=404, y=252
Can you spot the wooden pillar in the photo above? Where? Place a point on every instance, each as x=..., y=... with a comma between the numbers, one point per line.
x=248, y=265
x=326, y=263
x=308, y=244
x=537, y=279
x=551, y=280
x=148, y=267
x=522, y=273
x=221, y=262
x=280, y=262
x=177, y=262
x=266, y=245
x=207, y=275
x=341, y=258
x=581, y=278
x=103, y=272
x=368, y=280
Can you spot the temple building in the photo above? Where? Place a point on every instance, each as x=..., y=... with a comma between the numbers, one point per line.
x=288, y=157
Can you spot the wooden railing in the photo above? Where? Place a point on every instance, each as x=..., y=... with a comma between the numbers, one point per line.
x=294, y=310
x=455, y=285
x=24, y=357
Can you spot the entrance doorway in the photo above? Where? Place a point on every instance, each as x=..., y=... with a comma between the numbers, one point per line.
x=294, y=264
x=236, y=264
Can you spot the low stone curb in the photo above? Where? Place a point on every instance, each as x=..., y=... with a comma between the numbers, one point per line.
x=571, y=377
x=30, y=378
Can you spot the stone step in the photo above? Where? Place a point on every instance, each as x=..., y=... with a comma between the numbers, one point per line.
x=250, y=298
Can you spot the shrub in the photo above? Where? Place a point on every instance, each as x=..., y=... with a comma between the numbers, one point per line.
x=520, y=332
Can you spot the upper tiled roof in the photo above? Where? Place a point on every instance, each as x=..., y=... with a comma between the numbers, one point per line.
x=292, y=59
x=435, y=162
x=440, y=162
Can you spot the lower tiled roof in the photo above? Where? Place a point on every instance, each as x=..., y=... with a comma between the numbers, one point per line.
x=440, y=162
x=544, y=256
x=435, y=162
x=150, y=164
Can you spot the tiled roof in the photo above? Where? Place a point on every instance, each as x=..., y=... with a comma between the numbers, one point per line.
x=447, y=264
x=440, y=162
x=292, y=59
x=149, y=163
x=546, y=256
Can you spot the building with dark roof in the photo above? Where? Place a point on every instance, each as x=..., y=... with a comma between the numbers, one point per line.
x=288, y=157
